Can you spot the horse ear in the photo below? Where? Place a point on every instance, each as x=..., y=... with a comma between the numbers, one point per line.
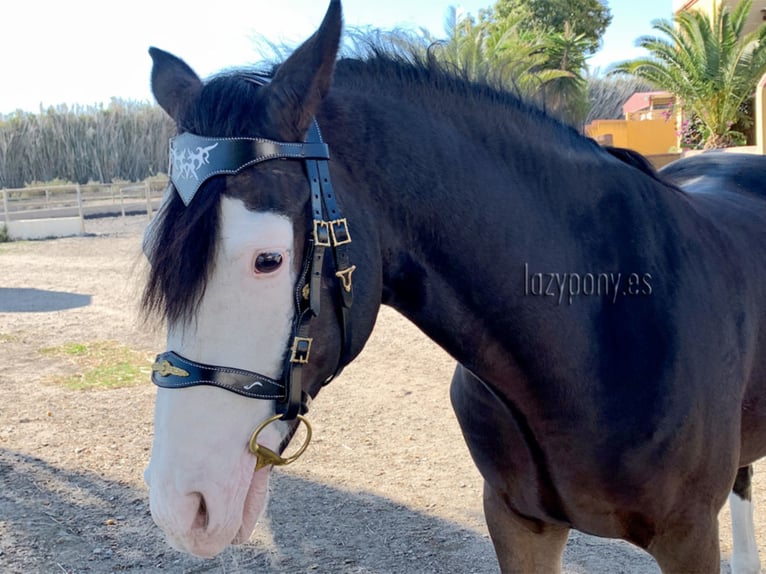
x=302, y=81
x=174, y=83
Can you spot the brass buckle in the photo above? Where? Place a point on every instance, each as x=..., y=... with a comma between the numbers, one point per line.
x=301, y=350
x=322, y=233
x=266, y=456
x=339, y=231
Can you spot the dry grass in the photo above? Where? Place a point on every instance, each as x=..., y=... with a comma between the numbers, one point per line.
x=101, y=364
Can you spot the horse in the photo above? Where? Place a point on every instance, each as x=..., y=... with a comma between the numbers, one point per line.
x=713, y=171
x=607, y=324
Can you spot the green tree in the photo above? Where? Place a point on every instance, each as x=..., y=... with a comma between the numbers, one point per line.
x=567, y=95
x=506, y=56
x=710, y=65
x=566, y=31
x=586, y=18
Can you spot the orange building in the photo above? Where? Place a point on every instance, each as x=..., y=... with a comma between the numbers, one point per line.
x=756, y=17
x=649, y=127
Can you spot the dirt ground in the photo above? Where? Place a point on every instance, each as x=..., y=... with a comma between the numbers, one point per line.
x=386, y=487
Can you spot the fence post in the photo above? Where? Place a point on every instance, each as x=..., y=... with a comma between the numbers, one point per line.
x=5, y=210
x=122, y=201
x=79, y=209
x=148, y=191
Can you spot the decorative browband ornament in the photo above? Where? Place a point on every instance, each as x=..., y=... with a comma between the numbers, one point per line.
x=195, y=159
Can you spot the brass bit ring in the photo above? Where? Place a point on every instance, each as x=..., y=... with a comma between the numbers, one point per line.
x=266, y=456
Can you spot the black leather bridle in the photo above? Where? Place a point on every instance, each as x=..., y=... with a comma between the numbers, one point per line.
x=193, y=160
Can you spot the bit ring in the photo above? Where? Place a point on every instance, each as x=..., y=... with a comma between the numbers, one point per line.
x=266, y=456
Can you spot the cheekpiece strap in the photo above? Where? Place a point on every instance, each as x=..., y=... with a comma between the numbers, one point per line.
x=331, y=232
x=195, y=159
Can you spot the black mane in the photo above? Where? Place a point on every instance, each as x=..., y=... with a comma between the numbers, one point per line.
x=180, y=251
x=448, y=90
x=411, y=73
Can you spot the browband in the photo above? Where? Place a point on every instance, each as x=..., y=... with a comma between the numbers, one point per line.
x=195, y=159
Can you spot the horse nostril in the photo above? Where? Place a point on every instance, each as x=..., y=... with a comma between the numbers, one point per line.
x=202, y=517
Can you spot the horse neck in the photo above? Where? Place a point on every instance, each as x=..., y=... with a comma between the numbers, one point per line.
x=464, y=213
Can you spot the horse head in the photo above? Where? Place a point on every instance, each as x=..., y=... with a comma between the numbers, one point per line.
x=252, y=268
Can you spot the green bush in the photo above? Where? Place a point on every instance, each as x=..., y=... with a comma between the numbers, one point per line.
x=4, y=237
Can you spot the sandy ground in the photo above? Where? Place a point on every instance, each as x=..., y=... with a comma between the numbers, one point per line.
x=387, y=485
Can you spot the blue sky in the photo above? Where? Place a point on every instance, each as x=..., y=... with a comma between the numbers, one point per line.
x=88, y=51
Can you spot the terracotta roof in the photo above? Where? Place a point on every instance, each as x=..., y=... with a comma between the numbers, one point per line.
x=640, y=101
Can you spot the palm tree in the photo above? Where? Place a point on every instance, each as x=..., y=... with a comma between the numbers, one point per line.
x=708, y=63
x=502, y=55
x=568, y=93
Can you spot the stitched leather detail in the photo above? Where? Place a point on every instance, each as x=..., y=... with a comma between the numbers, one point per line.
x=246, y=383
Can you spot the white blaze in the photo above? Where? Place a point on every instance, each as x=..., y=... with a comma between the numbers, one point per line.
x=201, y=433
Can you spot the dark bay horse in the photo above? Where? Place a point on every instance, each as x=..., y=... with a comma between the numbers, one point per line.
x=608, y=325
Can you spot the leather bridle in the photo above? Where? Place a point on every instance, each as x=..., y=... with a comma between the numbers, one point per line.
x=193, y=160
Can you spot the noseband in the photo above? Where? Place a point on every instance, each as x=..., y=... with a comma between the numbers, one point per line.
x=193, y=160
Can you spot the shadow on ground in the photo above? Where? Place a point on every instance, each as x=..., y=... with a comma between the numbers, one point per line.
x=27, y=300
x=61, y=520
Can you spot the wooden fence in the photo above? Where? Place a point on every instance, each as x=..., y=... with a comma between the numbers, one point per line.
x=83, y=201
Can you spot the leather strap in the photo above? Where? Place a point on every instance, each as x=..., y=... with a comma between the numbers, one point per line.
x=327, y=216
x=172, y=371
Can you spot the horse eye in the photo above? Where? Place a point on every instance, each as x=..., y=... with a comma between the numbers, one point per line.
x=268, y=262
